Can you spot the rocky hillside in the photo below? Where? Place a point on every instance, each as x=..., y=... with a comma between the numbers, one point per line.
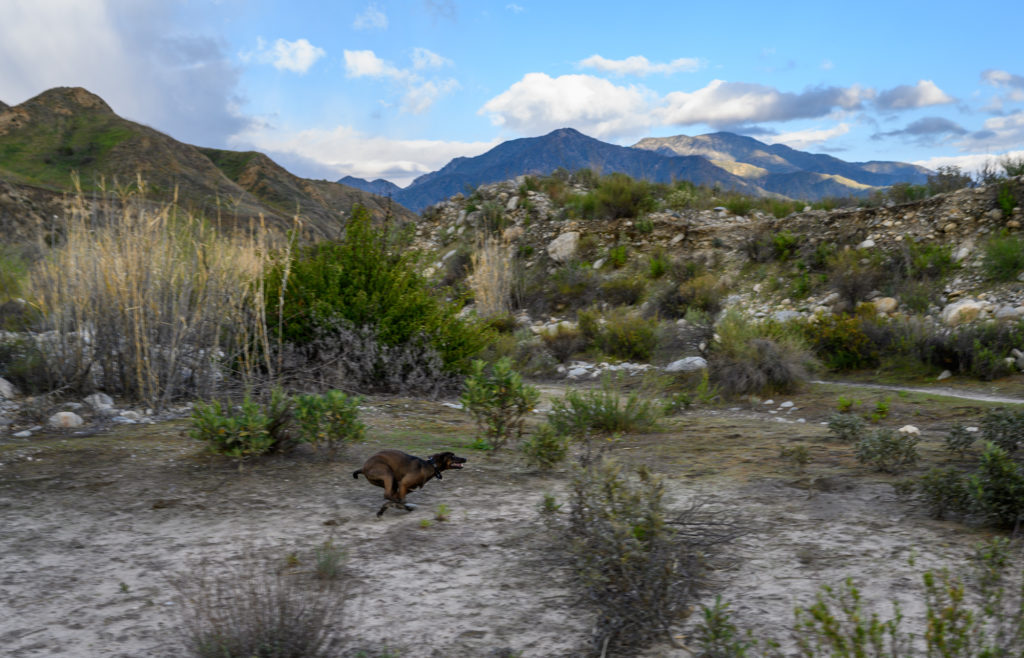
x=963, y=220
x=66, y=131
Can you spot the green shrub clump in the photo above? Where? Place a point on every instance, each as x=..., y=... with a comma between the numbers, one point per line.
x=751, y=358
x=499, y=400
x=841, y=343
x=888, y=451
x=1004, y=257
x=579, y=413
x=367, y=285
x=545, y=448
x=330, y=420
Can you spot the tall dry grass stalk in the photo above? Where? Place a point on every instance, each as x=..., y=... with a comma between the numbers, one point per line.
x=492, y=277
x=149, y=302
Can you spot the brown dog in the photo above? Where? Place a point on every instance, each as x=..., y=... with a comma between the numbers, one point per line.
x=400, y=473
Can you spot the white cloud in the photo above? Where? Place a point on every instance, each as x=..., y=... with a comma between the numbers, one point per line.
x=639, y=65
x=366, y=64
x=514, y=8
x=371, y=18
x=971, y=163
x=723, y=103
x=998, y=78
x=345, y=151
x=997, y=133
x=296, y=56
x=425, y=59
x=539, y=103
x=801, y=139
x=419, y=98
x=137, y=56
x=905, y=97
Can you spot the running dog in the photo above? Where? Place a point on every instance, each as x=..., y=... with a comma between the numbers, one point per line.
x=399, y=473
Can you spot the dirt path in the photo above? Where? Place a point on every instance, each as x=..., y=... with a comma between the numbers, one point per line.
x=94, y=528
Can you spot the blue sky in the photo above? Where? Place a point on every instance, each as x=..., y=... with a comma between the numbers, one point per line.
x=397, y=88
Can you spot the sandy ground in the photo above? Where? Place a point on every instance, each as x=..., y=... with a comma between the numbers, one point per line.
x=94, y=529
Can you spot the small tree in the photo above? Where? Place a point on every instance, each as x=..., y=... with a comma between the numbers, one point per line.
x=498, y=400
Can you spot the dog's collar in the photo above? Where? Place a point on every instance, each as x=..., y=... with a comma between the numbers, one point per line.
x=437, y=471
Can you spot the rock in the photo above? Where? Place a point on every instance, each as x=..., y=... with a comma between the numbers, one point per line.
x=563, y=248
x=945, y=374
x=1011, y=313
x=24, y=434
x=65, y=420
x=1013, y=223
x=949, y=227
x=687, y=364
x=909, y=430
x=785, y=315
x=867, y=244
x=99, y=401
x=1018, y=358
x=512, y=203
x=961, y=312
x=7, y=390
x=885, y=305
x=577, y=372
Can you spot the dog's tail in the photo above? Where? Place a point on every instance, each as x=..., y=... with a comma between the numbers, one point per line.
x=355, y=474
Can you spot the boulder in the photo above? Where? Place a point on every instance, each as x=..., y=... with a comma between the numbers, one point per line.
x=7, y=390
x=563, y=248
x=961, y=312
x=687, y=364
x=99, y=401
x=65, y=420
x=885, y=305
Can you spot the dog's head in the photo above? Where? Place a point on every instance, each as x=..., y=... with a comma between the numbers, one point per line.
x=442, y=461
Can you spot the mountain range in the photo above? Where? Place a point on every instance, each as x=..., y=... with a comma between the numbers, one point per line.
x=730, y=161
x=68, y=130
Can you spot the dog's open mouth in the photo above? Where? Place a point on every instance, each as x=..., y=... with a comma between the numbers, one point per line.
x=455, y=465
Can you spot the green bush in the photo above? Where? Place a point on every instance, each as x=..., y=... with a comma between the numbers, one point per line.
x=888, y=451
x=838, y=625
x=368, y=280
x=751, y=358
x=1004, y=257
x=997, y=487
x=1004, y=428
x=329, y=421
x=840, y=342
x=240, y=434
x=620, y=196
x=623, y=290
x=1006, y=199
x=959, y=440
x=626, y=335
x=498, y=400
x=944, y=490
x=545, y=448
x=618, y=255
x=847, y=428
x=579, y=413
x=854, y=273
x=564, y=342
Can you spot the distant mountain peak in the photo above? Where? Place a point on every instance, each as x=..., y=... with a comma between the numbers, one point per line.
x=70, y=98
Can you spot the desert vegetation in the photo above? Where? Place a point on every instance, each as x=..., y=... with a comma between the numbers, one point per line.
x=286, y=349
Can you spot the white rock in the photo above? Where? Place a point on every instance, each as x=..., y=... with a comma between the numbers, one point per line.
x=563, y=248
x=885, y=305
x=867, y=244
x=131, y=415
x=786, y=405
x=99, y=401
x=576, y=373
x=688, y=364
x=960, y=312
x=65, y=419
x=7, y=390
x=909, y=430
x=945, y=374
x=24, y=434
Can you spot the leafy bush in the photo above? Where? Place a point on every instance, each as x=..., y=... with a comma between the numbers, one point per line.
x=498, y=400
x=997, y=487
x=618, y=255
x=620, y=196
x=1003, y=259
x=944, y=490
x=888, y=451
x=623, y=290
x=855, y=273
x=368, y=280
x=330, y=420
x=948, y=178
x=564, y=341
x=838, y=625
x=1006, y=199
x=959, y=440
x=603, y=410
x=545, y=448
x=244, y=433
x=841, y=342
x=848, y=428
x=626, y=335
x=1004, y=428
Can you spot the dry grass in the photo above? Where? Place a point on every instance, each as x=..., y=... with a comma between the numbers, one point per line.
x=148, y=302
x=492, y=277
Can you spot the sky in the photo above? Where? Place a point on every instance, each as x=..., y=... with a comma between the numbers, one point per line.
x=397, y=88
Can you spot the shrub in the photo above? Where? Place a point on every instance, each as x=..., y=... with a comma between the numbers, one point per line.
x=328, y=559
x=997, y=487
x=545, y=448
x=1004, y=257
x=242, y=434
x=888, y=451
x=959, y=440
x=948, y=178
x=749, y=358
x=841, y=342
x=369, y=282
x=717, y=636
x=250, y=608
x=1004, y=428
x=739, y=205
x=854, y=274
x=657, y=265
x=619, y=196
x=847, y=428
x=618, y=255
x=603, y=410
x=1006, y=199
x=623, y=290
x=564, y=342
x=498, y=400
x=838, y=625
x=944, y=490
x=329, y=421
x=626, y=335
x=14, y=268
x=637, y=566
